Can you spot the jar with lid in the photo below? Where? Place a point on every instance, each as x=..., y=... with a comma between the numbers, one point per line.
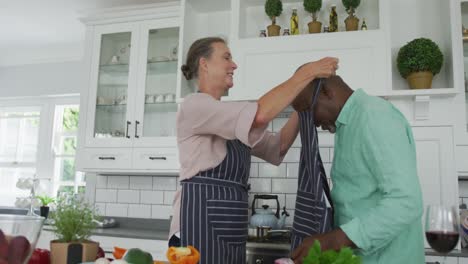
x=262, y=33
x=286, y=32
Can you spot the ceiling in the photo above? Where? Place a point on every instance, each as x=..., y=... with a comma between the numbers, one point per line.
x=29, y=24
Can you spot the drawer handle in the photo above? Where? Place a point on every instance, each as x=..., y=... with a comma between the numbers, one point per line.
x=157, y=158
x=107, y=158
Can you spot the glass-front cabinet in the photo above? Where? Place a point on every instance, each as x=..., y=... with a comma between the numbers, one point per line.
x=133, y=85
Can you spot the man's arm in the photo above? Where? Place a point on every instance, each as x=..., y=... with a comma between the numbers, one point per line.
x=289, y=133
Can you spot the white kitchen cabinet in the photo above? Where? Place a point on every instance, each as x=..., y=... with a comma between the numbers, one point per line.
x=129, y=106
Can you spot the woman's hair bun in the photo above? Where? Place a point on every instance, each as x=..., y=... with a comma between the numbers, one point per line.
x=186, y=71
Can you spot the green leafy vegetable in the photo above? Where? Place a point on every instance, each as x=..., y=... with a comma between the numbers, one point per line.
x=344, y=256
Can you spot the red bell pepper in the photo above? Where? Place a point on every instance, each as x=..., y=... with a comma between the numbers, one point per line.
x=40, y=256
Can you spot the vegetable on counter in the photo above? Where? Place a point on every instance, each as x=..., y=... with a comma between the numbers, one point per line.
x=183, y=255
x=344, y=256
x=138, y=256
x=119, y=252
x=40, y=256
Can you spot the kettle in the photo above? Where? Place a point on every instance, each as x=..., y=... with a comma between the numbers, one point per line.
x=266, y=217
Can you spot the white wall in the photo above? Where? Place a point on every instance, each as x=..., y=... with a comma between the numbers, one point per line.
x=41, y=79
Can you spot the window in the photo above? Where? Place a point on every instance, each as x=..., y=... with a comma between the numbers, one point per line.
x=66, y=178
x=19, y=131
x=38, y=140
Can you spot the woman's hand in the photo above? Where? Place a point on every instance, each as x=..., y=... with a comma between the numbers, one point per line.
x=323, y=68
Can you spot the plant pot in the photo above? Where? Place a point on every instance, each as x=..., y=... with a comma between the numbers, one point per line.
x=352, y=23
x=44, y=211
x=315, y=27
x=420, y=80
x=273, y=30
x=73, y=252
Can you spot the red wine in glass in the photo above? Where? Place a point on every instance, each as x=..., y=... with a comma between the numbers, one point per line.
x=442, y=242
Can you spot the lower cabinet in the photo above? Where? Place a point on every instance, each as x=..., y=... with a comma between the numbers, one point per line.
x=440, y=260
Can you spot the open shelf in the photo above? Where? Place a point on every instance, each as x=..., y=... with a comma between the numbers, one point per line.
x=419, y=92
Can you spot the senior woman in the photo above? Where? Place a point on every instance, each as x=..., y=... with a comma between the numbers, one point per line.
x=216, y=140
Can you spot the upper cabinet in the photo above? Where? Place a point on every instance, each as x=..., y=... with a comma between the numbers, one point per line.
x=265, y=62
x=130, y=102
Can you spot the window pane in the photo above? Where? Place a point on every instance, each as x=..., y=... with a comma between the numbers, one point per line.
x=8, y=190
x=67, y=171
x=70, y=119
x=68, y=146
x=65, y=189
x=18, y=135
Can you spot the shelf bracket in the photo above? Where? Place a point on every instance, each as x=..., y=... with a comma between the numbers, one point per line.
x=421, y=107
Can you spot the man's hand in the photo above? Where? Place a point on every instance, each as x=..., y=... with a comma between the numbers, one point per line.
x=334, y=240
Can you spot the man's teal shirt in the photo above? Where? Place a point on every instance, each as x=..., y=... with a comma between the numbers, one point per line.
x=376, y=190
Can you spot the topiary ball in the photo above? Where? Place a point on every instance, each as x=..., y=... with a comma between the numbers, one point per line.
x=420, y=54
x=273, y=8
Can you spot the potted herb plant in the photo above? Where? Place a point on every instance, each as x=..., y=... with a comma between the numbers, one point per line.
x=351, y=22
x=313, y=6
x=45, y=201
x=73, y=222
x=273, y=9
x=418, y=61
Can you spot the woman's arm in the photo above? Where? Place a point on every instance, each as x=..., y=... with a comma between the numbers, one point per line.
x=278, y=98
x=289, y=133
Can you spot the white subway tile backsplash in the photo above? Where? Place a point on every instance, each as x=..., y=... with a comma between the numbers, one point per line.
x=152, y=197
x=278, y=123
x=139, y=210
x=327, y=168
x=118, y=182
x=332, y=151
x=169, y=197
x=161, y=211
x=128, y=196
x=271, y=203
x=297, y=142
x=141, y=182
x=290, y=218
x=290, y=201
x=106, y=195
x=101, y=181
x=253, y=170
x=256, y=159
x=292, y=170
x=293, y=155
x=164, y=183
x=325, y=154
x=284, y=185
x=100, y=208
x=120, y=210
x=267, y=170
x=260, y=185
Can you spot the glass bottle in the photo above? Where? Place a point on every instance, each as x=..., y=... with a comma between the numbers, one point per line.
x=364, y=25
x=286, y=32
x=294, y=23
x=333, y=20
x=326, y=29
x=262, y=33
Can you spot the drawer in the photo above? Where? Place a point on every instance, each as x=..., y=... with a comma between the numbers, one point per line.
x=106, y=158
x=156, y=159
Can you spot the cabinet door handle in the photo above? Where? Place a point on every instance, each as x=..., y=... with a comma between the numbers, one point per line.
x=107, y=158
x=136, y=128
x=157, y=158
x=126, y=131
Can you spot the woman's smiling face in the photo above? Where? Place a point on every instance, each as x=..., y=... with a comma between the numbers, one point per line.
x=220, y=65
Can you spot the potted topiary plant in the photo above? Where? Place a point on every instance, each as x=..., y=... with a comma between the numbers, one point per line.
x=273, y=9
x=418, y=61
x=351, y=22
x=73, y=222
x=313, y=6
x=45, y=201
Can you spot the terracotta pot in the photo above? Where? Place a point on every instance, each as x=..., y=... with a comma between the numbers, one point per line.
x=273, y=30
x=315, y=27
x=73, y=252
x=420, y=80
x=352, y=23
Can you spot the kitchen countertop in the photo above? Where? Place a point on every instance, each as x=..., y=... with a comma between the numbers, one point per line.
x=159, y=230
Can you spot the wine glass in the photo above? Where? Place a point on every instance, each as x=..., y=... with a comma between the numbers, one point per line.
x=442, y=228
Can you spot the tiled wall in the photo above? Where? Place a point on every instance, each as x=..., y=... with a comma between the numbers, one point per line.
x=151, y=196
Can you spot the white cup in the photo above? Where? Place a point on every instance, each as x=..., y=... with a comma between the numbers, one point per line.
x=169, y=98
x=159, y=98
x=149, y=98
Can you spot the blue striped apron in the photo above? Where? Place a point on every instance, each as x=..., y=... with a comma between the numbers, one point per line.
x=214, y=208
x=311, y=216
